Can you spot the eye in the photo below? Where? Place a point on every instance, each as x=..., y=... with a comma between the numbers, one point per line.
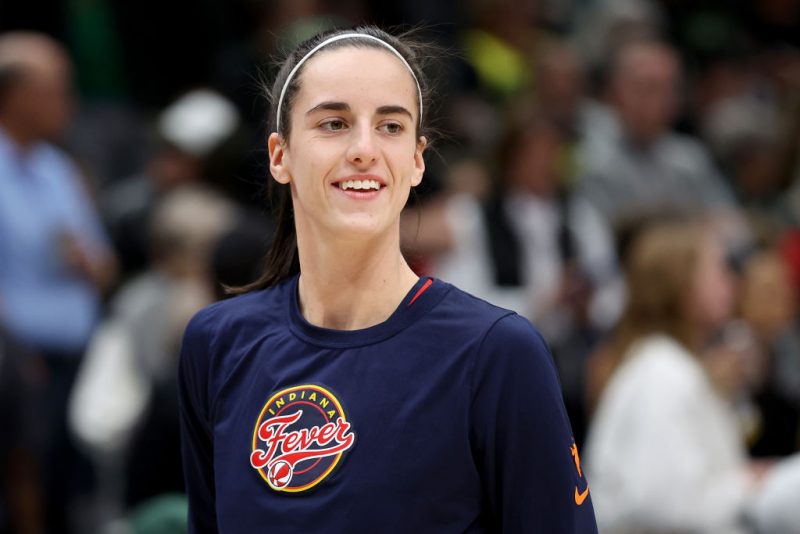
x=333, y=125
x=391, y=127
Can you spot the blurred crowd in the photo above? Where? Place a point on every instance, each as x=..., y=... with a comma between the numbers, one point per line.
x=624, y=173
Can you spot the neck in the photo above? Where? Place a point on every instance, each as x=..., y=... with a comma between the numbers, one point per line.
x=642, y=141
x=351, y=284
x=16, y=132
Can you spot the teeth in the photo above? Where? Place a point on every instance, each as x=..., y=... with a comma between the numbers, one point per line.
x=359, y=184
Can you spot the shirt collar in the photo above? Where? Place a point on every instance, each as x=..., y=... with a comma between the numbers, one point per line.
x=9, y=145
x=6, y=144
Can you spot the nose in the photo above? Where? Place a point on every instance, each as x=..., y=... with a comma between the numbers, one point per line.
x=362, y=151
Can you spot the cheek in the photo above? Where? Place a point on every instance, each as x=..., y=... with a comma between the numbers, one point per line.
x=54, y=106
x=402, y=162
x=714, y=294
x=305, y=196
x=309, y=174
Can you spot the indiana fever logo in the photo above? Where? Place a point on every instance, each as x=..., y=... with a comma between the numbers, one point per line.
x=299, y=438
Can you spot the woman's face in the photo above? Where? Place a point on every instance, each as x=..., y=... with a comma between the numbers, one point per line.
x=712, y=295
x=353, y=154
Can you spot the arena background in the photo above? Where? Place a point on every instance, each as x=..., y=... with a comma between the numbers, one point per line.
x=168, y=132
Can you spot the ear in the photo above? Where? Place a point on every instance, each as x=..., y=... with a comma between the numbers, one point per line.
x=419, y=161
x=278, y=159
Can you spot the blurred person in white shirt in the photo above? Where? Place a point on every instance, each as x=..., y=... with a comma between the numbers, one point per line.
x=665, y=451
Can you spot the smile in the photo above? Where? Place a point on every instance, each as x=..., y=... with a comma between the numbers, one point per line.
x=359, y=185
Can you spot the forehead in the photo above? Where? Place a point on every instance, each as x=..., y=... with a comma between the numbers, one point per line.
x=357, y=75
x=648, y=62
x=34, y=55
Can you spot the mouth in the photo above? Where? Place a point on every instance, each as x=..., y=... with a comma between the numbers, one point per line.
x=360, y=186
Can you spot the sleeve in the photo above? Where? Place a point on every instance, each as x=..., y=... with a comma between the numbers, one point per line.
x=521, y=436
x=197, y=442
x=595, y=188
x=775, y=508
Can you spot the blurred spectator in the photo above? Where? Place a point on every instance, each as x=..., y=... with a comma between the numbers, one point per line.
x=665, y=452
x=21, y=506
x=751, y=120
x=561, y=97
x=513, y=248
x=238, y=255
x=54, y=257
x=743, y=135
x=560, y=92
x=646, y=166
x=769, y=305
x=133, y=358
x=606, y=25
x=736, y=367
x=191, y=129
x=775, y=508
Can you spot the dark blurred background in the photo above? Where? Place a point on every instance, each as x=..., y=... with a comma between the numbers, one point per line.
x=563, y=128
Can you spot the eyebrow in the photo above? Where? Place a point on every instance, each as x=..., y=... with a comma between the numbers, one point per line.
x=390, y=110
x=330, y=106
x=342, y=106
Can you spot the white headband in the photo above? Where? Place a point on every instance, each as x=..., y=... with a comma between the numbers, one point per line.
x=339, y=38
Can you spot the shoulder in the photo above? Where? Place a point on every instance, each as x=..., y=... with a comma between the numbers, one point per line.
x=242, y=316
x=63, y=177
x=56, y=159
x=495, y=326
x=685, y=148
x=466, y=314
x=682, y=141
x=52, y=154
x=220, y=335
x=660, y=364
x=515, y=348
x=512, y=331
x=508, y=350
x=489, y=332
x=662, y=353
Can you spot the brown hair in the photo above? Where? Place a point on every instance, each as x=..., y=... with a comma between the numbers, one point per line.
x=660, y=271
x=282, y=259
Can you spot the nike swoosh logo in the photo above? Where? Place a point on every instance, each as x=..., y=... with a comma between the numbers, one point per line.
x=580, y=497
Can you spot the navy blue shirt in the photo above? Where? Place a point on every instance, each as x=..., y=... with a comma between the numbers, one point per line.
x=447, y=417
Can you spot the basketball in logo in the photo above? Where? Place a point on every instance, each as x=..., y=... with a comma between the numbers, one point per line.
x=299, y=438
x=280, y=474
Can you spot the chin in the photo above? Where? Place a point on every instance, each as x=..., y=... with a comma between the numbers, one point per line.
x=363, y=227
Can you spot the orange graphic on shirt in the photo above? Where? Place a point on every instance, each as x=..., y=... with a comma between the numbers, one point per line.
x=577, y=458
x=579, y=496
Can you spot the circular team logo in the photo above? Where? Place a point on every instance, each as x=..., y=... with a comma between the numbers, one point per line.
x=299, y=438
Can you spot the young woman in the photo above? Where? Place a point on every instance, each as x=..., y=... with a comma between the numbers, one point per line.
x=665, y=452
x=342, y=393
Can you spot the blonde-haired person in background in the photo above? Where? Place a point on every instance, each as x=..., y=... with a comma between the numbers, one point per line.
x=664, y=451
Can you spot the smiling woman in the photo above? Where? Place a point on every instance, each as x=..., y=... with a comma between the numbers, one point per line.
x=381, y=401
